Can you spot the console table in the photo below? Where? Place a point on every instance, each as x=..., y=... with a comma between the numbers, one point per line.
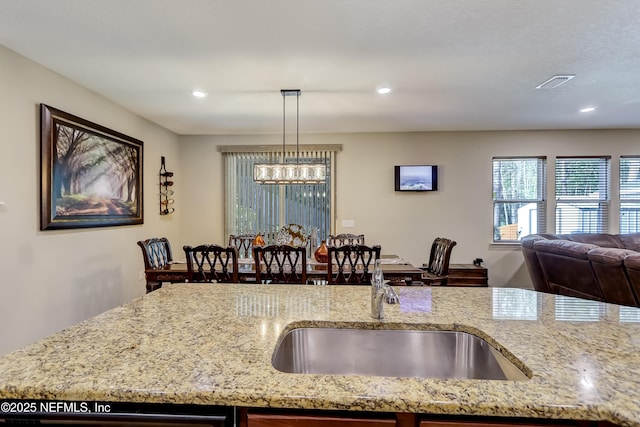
x=467, y=275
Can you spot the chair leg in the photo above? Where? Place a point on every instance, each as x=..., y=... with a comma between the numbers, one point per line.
x=153, y=285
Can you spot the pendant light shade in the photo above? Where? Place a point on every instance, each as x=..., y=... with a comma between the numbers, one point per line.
x=290, y=173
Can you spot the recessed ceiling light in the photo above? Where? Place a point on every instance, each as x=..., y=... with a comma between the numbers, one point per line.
x=384, y=90
x=199, y=93
x=587, y=109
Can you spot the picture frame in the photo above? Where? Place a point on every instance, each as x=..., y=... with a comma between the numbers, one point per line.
x=91, y=176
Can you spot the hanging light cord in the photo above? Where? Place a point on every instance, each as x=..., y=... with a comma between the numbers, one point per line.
x=284, y=118
x=281, y=173
x=297, y=126
x=284, y=123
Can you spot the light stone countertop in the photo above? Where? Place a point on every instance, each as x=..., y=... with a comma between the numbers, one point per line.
x=212, y=344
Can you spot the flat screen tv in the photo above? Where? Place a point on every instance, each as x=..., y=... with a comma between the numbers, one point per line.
x=416, y=178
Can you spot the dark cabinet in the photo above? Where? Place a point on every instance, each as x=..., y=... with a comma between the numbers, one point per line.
x=467, y=275
x=254, y=417
x=469, y=421
x=305, y=418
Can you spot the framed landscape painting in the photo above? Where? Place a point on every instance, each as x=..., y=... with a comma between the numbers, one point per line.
x=91, y=176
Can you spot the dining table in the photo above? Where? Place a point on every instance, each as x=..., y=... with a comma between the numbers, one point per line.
x=394, y=268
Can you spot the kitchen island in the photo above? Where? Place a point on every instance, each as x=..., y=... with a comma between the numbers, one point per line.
x=211, y=344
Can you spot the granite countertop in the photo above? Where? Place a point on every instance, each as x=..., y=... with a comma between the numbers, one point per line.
x=212, y=344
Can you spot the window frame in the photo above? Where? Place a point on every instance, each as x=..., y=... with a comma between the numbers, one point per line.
x=275, y=194
x=603, y=202
x=622, y=200
x=540, y=198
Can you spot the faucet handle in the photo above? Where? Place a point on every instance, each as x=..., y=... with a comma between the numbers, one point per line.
x=390, y=295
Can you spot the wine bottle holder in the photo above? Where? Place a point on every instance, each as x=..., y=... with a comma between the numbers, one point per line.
x=166, y=189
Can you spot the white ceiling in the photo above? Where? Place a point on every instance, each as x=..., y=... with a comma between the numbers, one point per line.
x=451, y=64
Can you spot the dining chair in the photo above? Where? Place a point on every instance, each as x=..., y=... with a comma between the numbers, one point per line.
x=280, y=264
x=437, y=271
x=244, y=244
x=351, y=264
x=211, y=263
x=156, y=253
x=345, y=239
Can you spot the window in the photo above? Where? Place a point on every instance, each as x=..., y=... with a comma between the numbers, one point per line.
x=582, y=195
x=258, y=208
x=519, y=204
x=630, y=194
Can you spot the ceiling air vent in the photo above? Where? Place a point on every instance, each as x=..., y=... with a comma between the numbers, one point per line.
x=555, y=81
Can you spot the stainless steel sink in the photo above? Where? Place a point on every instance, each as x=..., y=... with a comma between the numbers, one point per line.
x=392, y=353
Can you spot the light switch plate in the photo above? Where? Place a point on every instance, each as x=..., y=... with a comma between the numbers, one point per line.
x=348, y=223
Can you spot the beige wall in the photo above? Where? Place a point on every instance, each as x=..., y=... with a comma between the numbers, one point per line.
x=406, y=223
x=53, y=279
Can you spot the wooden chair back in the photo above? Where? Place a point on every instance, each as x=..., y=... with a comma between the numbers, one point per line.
x=156, y=252
x=280, y=264
x=438, y=267
x=351, y=264
x=243, y=243
x=212, y=263
x=345, y=239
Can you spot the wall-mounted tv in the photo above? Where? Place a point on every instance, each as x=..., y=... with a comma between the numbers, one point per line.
x=416, y=178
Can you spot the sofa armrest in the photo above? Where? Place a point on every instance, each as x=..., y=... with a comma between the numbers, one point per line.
x=533, y=264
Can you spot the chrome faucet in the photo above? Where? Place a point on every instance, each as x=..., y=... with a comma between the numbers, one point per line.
x=377, y=296
x=380, y=292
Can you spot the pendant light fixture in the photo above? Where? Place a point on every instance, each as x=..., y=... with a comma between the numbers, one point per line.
x=290, y=173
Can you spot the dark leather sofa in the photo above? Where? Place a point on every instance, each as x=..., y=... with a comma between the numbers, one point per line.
x=597, y=266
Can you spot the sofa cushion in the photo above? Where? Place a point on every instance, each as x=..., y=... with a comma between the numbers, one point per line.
x=631, y=241
x=632, y=267
x=610, y=256
x=608, y=266
x=632, y=261
x=567, y=269
x=598, y=239
x=564, y=247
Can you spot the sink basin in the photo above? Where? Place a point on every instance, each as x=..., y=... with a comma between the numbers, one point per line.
x=392, y=353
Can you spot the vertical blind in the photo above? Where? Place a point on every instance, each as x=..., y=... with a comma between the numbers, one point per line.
x=258, y=208
x=582, y=194
x=630, y=194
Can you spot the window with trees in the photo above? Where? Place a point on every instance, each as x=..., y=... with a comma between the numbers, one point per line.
x=582, y=194
x=630, y=194
x=251, y=207
x=519, y=205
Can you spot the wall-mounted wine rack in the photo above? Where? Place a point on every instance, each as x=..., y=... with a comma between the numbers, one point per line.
x=166, y=190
